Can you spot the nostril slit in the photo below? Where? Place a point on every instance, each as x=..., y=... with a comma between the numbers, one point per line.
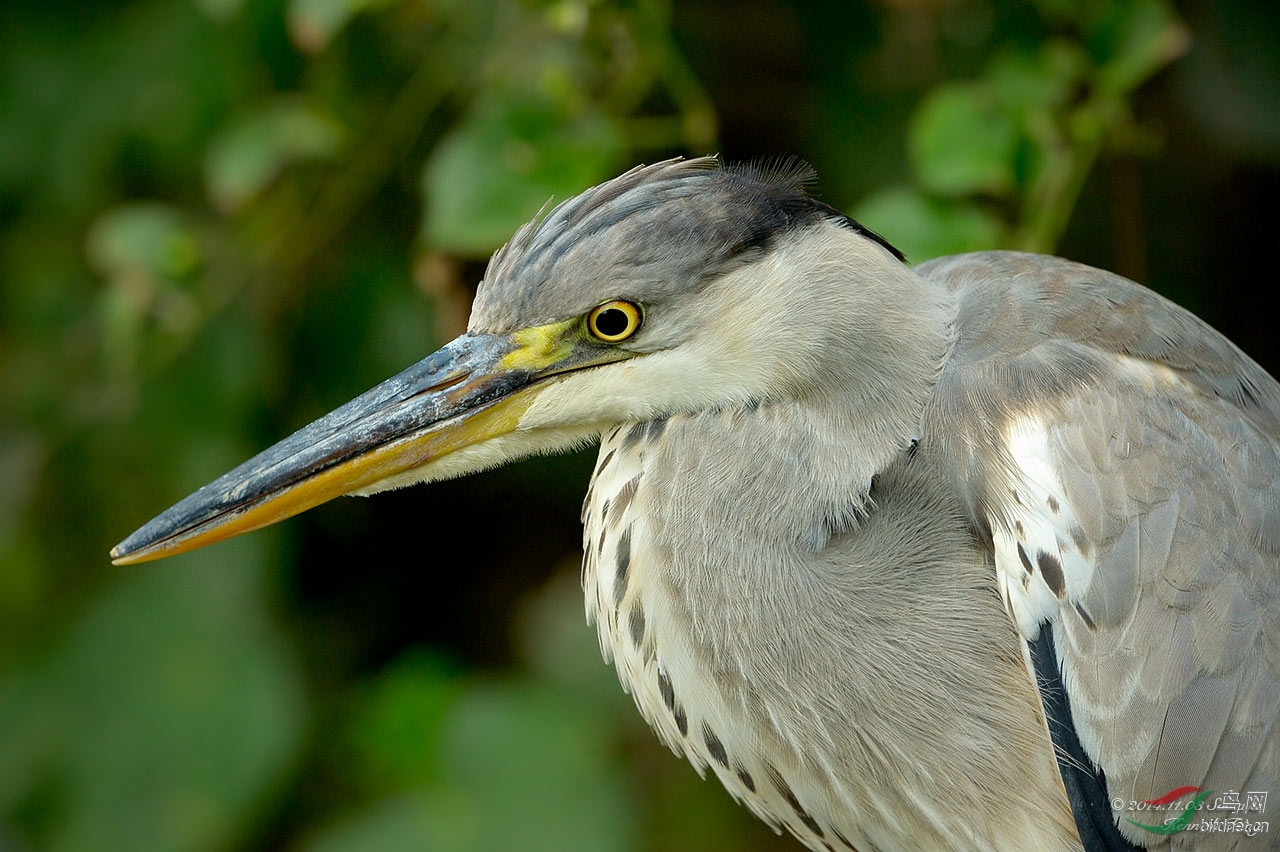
x=447, y=382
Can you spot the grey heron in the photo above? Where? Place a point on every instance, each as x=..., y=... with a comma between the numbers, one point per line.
x=974, y=555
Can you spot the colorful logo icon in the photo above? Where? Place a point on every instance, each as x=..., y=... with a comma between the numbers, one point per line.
x=1178, y=824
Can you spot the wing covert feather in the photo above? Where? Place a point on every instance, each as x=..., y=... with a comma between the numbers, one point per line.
x=1124, y=459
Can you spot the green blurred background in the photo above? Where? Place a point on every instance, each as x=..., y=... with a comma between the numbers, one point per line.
x=221, y=218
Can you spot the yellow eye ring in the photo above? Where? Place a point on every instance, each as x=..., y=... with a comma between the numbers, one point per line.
x=614, y=322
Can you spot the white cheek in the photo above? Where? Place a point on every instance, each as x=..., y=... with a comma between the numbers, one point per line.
x=647, y=387
x=721, y=355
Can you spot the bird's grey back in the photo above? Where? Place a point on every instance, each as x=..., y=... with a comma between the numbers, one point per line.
x=1160, y=447
x=1048, y=327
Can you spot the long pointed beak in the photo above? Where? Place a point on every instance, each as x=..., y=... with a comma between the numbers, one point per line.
x=475, y=388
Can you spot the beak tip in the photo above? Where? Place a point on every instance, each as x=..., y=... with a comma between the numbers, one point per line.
x=120, y=555
x=130, y=551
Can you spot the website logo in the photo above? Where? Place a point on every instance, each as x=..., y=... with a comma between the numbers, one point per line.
x=1179, y=822
x=1191, y=809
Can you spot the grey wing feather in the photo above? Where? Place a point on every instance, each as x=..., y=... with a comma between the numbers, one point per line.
x=1152, y=445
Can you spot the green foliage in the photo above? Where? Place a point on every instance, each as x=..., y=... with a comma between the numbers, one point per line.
x=963, y=142
x=503, y=161
x=484, y=765
x=1023, y=136
x=313, y=23
x=394, y=735
x=163, y=721
x=924, y=226
x=248, y=156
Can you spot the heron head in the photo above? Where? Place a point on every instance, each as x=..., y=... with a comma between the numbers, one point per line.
x=676, y=287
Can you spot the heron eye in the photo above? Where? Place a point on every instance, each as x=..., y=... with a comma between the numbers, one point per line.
x=614, y=322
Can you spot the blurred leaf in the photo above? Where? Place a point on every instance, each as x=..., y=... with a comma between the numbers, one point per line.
x=567, y=16
x=219, y=10
x=148, y=253
x=1137, y=38
x=143, y=239
x=252, y=152
x=1039, y=89
x=538, y=769
x=407, y=821
x=523, y=766
x=170, y=711
x=396, y=730
x=924, y=228
x=93, y=112
x=313, y=23
x=503, y=162
x=962, y=141
x=1040, y=79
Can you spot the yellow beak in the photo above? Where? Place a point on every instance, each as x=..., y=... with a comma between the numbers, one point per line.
x=473, y=389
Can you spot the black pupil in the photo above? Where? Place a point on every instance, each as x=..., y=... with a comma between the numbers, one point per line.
x=612, y=322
